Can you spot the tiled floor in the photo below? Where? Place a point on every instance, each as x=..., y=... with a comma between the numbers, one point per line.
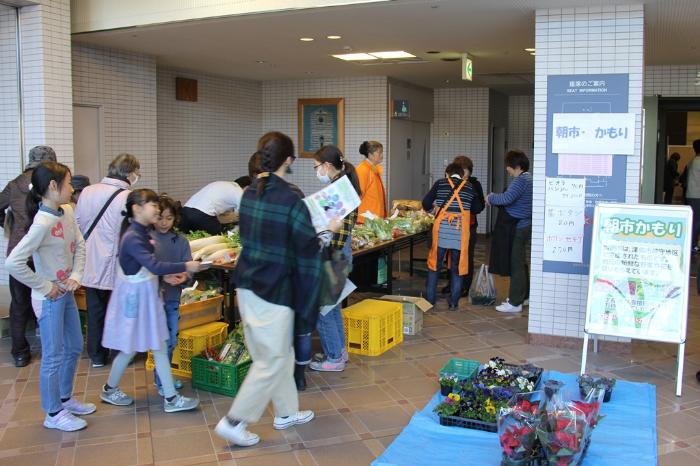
x=359, y=411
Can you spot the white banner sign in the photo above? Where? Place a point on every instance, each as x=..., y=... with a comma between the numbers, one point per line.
x=564, y=219
x=593, y=133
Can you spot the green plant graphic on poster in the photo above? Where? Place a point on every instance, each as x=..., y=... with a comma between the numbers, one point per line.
x=635, y=288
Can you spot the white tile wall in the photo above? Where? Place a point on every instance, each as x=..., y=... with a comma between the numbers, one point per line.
x=608, y=39
x=124, y=85
x=48, y=116
x=46, y=69
x=9, y=114
x=461, y=127
x=366, y=116
x=211, y=139
x=521, y=122
x=671, y=80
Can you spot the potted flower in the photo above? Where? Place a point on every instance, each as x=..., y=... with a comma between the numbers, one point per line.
x=447, y=384
x=586, y=383
x=450, y=406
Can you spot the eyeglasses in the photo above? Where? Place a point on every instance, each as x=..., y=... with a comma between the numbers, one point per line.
x=316, y=167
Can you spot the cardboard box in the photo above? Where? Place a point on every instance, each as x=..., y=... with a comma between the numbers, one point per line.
x=413, y=309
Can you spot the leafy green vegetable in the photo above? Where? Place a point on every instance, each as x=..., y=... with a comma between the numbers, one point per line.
x=199, y=234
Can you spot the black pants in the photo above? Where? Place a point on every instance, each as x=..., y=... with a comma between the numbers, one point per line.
x=20, y=314
x=195, y=219
x=97, y=301
x=668, y=196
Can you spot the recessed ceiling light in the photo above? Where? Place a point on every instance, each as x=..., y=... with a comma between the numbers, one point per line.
x=306, y=39
x=334, y=37
x=450, y=59
x=392, y=54
x=529, y=50
x=260, y=61
x=433, y=51
x=355, y=56
x=532, y=53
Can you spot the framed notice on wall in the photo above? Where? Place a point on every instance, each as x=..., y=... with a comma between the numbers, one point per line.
x=321, y=123
x=638, y=282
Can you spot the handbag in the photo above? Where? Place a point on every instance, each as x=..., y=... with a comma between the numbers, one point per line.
x=484, y=291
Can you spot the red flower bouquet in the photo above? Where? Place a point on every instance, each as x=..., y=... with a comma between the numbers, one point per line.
x=517, y=431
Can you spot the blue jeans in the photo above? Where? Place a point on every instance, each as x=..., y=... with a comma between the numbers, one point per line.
x=455, y=279
x=332, y=333
x=172, y=315
x=330, y=327
x=61, y=345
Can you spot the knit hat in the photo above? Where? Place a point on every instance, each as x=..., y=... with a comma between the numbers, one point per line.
x=80, y=182
x=40, y=154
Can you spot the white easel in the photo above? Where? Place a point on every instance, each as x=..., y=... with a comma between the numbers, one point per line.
x=676, y=311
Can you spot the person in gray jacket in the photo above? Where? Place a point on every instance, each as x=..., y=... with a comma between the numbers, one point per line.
x=13, y=219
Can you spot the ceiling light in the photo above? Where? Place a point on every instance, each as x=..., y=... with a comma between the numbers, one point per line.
x=433, y=51
x=392, y=54
x=532, y=53
x=306, y=39
x=334, y=37
x=260, y=62
x=355, y=56
x=530, y=50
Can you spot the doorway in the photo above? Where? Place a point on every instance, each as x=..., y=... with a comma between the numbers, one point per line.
x=679, y=126
x=409, y=160
x=87, y=141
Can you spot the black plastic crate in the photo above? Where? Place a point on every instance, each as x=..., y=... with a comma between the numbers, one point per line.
x=455, y=421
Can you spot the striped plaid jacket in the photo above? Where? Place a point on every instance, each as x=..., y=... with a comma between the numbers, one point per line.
x=280, y=261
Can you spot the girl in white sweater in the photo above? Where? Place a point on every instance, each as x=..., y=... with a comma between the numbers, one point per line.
x=58, y=249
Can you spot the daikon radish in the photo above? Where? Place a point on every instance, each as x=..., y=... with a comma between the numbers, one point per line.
x=206, y=250
x=232, y=253
x=198, y=244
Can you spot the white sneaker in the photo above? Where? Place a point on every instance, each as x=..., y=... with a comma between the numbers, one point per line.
x=300, y=417
x=526, y=302
x=115, y=397
x=238, y=434
x=180, y=403
x=64, y=421
x=508, y=307
x=77, y=408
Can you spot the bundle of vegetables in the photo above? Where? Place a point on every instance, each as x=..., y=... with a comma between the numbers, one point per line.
x=402, y=226
x=380, y=227
x=220, y=249
x=190, y=295
x=233, y=352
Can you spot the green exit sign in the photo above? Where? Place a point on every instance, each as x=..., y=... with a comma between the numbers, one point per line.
x=467, y=68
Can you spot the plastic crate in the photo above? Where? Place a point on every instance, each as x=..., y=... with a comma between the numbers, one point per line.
x=468, y=423
x=464, y=369
x=217, y=377
x=192, y=342
x=372, y=326
x=200, y=312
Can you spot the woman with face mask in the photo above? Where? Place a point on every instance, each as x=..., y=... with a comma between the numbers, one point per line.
x=330, y=166
x=369, y=174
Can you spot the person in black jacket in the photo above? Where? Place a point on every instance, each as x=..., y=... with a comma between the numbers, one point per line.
x=477, y=208
x=671, y=177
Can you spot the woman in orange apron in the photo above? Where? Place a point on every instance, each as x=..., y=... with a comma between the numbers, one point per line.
x=369, y=173
x=451, y=198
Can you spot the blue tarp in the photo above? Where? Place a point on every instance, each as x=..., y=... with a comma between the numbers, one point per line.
x=627, y=435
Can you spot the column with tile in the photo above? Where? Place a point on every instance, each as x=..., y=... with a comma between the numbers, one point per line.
x=585, y=40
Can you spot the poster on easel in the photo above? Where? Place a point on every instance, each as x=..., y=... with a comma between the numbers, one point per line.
x=639, y=269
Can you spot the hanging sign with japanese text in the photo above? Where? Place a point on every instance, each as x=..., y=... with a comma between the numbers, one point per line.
x=640, y=262
x=593, y=133
x=581, y=104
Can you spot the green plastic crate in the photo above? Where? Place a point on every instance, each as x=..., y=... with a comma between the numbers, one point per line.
x=464, y=369
x=217, y=377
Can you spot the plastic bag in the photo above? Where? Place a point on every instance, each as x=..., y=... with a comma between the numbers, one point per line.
x=484, y=291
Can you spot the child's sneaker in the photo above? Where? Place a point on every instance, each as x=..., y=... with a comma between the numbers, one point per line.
x=237, y=435
x=116, y=397
x=64, y=421
x=328, y=365
x=180, y=403
x=177, y=383
x=300, y=417
x=77, y=408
